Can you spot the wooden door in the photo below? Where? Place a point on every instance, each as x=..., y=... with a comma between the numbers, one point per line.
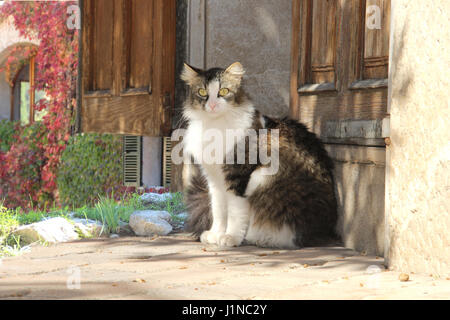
x=127, y=67
x=339, y=72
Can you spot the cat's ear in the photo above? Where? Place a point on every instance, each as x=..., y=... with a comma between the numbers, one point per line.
x=189, y=74
x=235, y=72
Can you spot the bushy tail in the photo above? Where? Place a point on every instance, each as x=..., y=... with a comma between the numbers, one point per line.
x=198, y=204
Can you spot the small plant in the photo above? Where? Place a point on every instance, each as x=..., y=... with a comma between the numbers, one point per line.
x=108, y=212
x=9, y=244
x=8, y=222
x=111, y=212
x=90, y=166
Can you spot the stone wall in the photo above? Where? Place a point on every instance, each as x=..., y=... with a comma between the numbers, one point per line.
x=418, y=179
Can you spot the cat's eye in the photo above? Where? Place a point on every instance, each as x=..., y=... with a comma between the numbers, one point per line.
x=202, y=92
x=223, y=92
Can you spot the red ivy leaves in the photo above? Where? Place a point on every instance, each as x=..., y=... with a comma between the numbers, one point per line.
x=20, y=173
x=56, y=71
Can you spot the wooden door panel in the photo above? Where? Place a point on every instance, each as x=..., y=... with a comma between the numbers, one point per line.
x=139, y=37
x=323, y=41
x=100, y=51
x=376, y=41
x=337, y=64
x=128, y=63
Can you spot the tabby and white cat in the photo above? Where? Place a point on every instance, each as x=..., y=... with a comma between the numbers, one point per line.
x=232, y=204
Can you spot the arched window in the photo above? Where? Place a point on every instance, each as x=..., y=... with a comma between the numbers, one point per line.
x=24, y=96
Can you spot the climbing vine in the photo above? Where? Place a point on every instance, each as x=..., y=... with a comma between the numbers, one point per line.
x=56, y=72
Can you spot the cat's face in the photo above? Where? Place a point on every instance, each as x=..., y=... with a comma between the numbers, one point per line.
x=214, y=91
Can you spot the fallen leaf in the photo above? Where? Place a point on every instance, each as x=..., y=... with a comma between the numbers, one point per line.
x=403, y=277
x=183, y=268
x=305, y=265
x=361, y=284
x=262, y=254
x=139, y=280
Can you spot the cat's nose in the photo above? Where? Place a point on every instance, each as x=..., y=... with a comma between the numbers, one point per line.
x=213, y=105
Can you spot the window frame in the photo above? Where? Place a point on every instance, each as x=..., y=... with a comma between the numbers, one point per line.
x=16, y=83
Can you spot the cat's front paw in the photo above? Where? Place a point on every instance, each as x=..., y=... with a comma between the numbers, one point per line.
x=228, y=240
x=209, y=237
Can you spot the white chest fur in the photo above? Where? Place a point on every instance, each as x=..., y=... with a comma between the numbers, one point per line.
x=206, y=136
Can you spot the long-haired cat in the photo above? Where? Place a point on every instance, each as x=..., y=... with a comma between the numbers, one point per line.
x=234, y=203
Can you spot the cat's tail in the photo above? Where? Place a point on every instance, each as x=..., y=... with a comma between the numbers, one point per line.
x=198, y=204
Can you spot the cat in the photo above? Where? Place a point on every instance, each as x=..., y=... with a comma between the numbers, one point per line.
x=231, y=204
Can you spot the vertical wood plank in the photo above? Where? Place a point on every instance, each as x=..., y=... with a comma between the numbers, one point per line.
x=140, y=43
x=32, y=91
x=102, y=44
x=376, y=42
x=323, y=47
x=164, y=60
x=118, y=67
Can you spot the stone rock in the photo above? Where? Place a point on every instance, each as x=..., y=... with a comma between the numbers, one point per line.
x=89, y=228
x=183, y=216
x=51, y=230
x=150, y=223
x=155, y=197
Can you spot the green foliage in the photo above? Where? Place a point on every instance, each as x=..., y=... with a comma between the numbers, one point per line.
x=9, y=244
x=91, y=166
x=174, y=205
x=110, y=212
x=6, y=134
x=7, y=222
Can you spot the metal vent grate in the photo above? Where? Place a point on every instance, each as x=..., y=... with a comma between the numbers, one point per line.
x=167, y=162
x=132, y=161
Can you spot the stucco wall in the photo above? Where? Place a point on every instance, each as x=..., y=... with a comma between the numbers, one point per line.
x=418, y=196
x=5, y=102
x=9, y=37
x=151, y=161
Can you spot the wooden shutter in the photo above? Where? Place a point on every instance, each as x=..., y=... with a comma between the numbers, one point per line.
x=127, y=66
x=340, y=68
x=167, y=161
x=132, y=161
